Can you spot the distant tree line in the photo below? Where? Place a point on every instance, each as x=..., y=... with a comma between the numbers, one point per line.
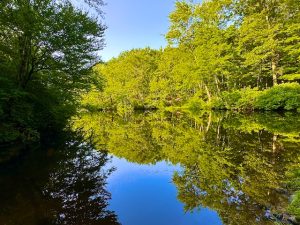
x=224, y=54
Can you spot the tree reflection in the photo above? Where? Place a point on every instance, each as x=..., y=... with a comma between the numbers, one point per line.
x=63, y=185
x=233, y=163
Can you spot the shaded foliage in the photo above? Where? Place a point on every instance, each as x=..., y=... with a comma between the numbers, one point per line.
x=47, y=49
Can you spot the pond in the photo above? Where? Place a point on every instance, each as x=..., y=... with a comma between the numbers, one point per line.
x=158, y=168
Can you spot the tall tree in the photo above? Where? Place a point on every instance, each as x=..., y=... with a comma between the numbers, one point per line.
x=51, y=37
x=127, y=78
x=267, y=34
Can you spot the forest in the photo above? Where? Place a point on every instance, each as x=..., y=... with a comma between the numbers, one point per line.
x=191, y=103
x=221, y=54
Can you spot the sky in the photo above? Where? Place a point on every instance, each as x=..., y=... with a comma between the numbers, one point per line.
x=135, y=24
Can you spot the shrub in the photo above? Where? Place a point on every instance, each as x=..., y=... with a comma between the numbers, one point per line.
x=124, y=109
x=230, y=99
x=238, y=99
x=284, y=96
x=248, y=98
x=294, y=207
x=195, y=104
x=216, y=103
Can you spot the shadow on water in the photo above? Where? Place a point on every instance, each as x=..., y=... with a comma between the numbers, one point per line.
x=61, y=183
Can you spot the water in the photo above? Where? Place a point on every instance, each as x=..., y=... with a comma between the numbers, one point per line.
x=146, y=195
x=159, y=168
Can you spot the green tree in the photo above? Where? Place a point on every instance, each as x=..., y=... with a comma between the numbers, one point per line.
x=127, y=79
x=267, y=37
x=50, y=37
x=221, y=54
x=47, y=49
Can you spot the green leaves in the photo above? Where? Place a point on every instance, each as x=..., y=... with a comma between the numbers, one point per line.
x=50, y=36
x=47, y=50
x=220, y=52
x=284, y=96
x=180, y=20
x=126, y=80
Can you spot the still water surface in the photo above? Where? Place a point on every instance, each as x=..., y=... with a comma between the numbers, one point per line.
x=159, y=169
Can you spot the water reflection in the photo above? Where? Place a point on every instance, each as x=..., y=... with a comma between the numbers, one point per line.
x=62, y=184
x=242, y=166
x=145, y=194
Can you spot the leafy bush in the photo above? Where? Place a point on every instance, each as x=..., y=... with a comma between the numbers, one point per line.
x=124, y=109
x=294, y=184
x=230, y=99
x=238, y=99
x=294, y=207
x=25, y=114
x=195, y=104
x=248, y=98
x=284, y=96
x=216, y=103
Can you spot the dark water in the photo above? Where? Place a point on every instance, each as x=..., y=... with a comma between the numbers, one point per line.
x=159, y=169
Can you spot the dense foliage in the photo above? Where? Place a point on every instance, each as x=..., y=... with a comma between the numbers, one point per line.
x=47, y=48
x=221, y=54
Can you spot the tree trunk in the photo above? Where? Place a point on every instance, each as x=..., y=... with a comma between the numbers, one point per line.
x=209, y=122
x=274, y=72
x=274, y=60
x=217, y=84
x=207, y=92
x=25, y=71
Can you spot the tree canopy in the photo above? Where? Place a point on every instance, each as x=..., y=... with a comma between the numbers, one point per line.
x=219, y=51
x=47, y=50
x=50, y=37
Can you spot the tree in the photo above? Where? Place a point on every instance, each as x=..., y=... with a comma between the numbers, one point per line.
x=268, y=37
x=40, y=39
x=215, y=48
x=47, y=49
x=204, y=30
x=127, y=79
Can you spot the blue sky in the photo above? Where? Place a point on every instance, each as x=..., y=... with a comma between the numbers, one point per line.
x=135, y=24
